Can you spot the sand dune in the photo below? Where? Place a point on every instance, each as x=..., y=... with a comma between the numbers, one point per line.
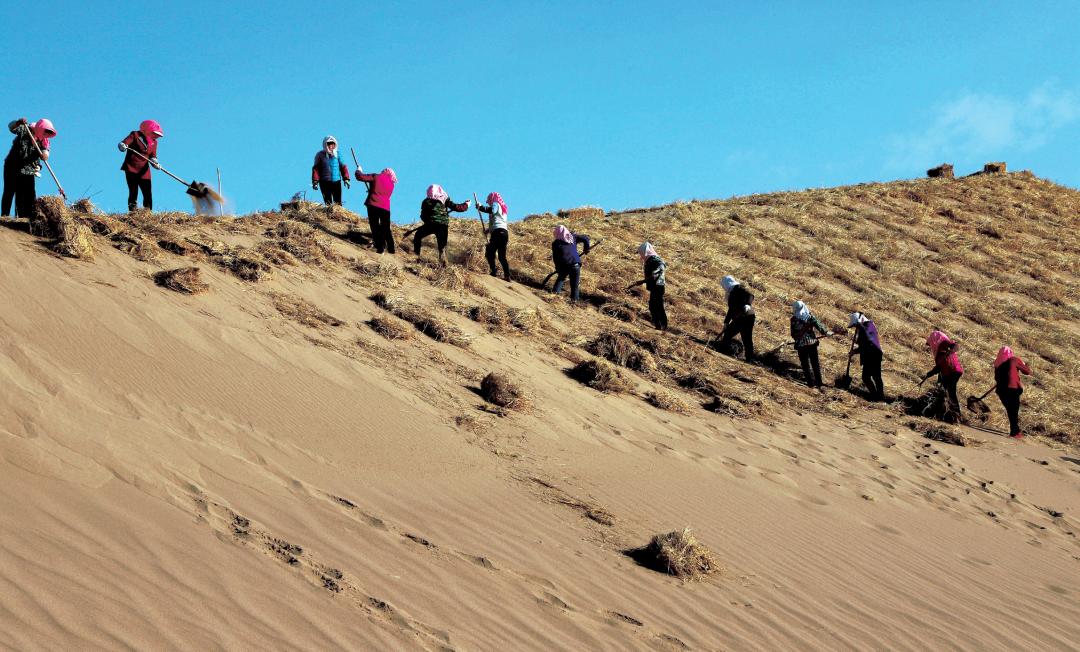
x=204, y=472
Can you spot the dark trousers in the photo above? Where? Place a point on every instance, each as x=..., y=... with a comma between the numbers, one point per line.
x=808, y=357
x=331, y=192
x=656, y=307
x=871, y=373
x=744, y=328
x=952, y=405
x=135, y=183
x=381, y=235
x=22, y=189
x=497, y=246
x=440, y=231
x=574, y=273
x=1010, y=399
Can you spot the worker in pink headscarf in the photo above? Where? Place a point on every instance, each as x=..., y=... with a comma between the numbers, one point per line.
x=947, y=368
x=380, y=188
x=435, y=214
x=498, y=233
x=140, y=148
x=22, y=165
x=1007, y=369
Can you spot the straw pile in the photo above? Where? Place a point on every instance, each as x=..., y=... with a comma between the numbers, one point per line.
x=303, y=311
x=677, y=553
x=601, y=376
x=666, y=400
x=945, y=171
x=422, y=318
x=498, y=389
x=390, y=328
x=186, y=280
x=581, y=213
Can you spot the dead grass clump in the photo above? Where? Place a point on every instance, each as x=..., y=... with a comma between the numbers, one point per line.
x=84, y=206
x=99, y=223
x=621, y=349
x=666, y=400
x=498, y=389
x=304, y=312
x=276, y=255
x=135, y=245
x=452, y=278
x=677, y=553
x=48, y=211
x=939, y=432
x=246, y=264
x=581, y=213
x=73, y=239
x=422, y=319
x=391, y=329
x=186, y=280
x=945, y=170
x=994, y=168
x=382, y=272
x=601, y=376
x=303, y=242
x=726, y=406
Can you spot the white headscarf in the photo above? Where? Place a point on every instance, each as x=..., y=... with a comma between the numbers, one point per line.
x=326, y=144
x=857, y=318
x=645, y=251
x=800, y=311
x=728, y=283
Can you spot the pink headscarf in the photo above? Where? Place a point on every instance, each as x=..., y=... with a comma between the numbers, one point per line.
x=496, y=198
x=43, y=130
x=564, y=234
x=935, y=340
x=151, y=130
x=1004, y=355
x=645, y=251
x=390, y=171
x=436, y=192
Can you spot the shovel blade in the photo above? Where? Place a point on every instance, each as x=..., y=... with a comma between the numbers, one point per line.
x=977, y=405
x=205, y=199
x=843, y=382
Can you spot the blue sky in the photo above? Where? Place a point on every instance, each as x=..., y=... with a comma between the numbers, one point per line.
x=554, y=104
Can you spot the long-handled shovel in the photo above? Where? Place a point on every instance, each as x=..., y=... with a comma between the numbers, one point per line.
x=356, y=162
x=41, y=155
x=479, y=215
x=844, y=382
x=976, y=404
x=205, y=198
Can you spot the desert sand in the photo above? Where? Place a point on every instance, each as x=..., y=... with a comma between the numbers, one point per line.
x=204, y=472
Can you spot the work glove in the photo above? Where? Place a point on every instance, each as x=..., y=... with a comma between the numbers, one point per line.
x=314, y=185
x=154, y=162
x=346, y=181
x=122, y=147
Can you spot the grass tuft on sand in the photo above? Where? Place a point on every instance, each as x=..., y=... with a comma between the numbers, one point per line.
x=498, y=389
x=186, y=280
x=677, y=553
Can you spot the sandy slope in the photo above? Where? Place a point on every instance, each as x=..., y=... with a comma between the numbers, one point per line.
x=200, y=473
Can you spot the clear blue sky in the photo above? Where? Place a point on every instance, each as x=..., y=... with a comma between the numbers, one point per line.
x=555, y=104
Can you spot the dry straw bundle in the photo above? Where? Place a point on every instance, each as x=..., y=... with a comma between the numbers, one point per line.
x=186, y=280
x=677, y=553
x=498, y=389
